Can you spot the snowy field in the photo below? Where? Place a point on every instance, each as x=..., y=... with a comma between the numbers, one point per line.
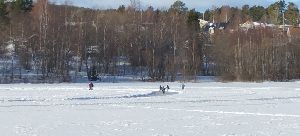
x=137, y=109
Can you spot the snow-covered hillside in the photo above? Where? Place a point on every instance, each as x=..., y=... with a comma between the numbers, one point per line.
x=137, y=109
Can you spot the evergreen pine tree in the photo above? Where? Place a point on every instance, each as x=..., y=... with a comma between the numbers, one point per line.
x=179, y=7
x=3, y=11
x=23, y=5
x=292, y=13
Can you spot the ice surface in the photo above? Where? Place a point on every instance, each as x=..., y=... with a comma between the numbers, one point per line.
x=139, y=109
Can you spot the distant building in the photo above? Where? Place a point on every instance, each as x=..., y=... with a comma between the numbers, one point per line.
x=202, y=23
x=254, y=25
x=210, y=27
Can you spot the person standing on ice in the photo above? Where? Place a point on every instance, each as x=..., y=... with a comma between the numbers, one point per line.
x=182, y=86
x=163, y=90
x=91, y=85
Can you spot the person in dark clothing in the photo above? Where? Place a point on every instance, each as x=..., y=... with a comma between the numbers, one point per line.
x=182, y=86
x=91, y=85
x=163, y=90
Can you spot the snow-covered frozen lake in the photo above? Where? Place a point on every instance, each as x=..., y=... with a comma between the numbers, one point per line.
x=136, y=109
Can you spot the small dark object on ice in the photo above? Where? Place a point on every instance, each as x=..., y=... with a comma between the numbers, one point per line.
x=168, y=87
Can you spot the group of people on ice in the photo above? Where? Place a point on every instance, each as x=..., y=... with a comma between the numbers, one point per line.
x=163, y=88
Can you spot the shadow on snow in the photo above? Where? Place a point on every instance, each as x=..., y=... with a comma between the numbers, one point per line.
x=152, y=94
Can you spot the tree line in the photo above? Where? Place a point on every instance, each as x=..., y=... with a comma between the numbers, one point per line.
x=59, y=42
x=277, y=13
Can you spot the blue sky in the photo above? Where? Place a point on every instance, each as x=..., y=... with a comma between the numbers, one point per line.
x=199, y=5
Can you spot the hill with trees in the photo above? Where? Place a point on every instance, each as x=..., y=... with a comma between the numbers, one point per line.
x=48, y=42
